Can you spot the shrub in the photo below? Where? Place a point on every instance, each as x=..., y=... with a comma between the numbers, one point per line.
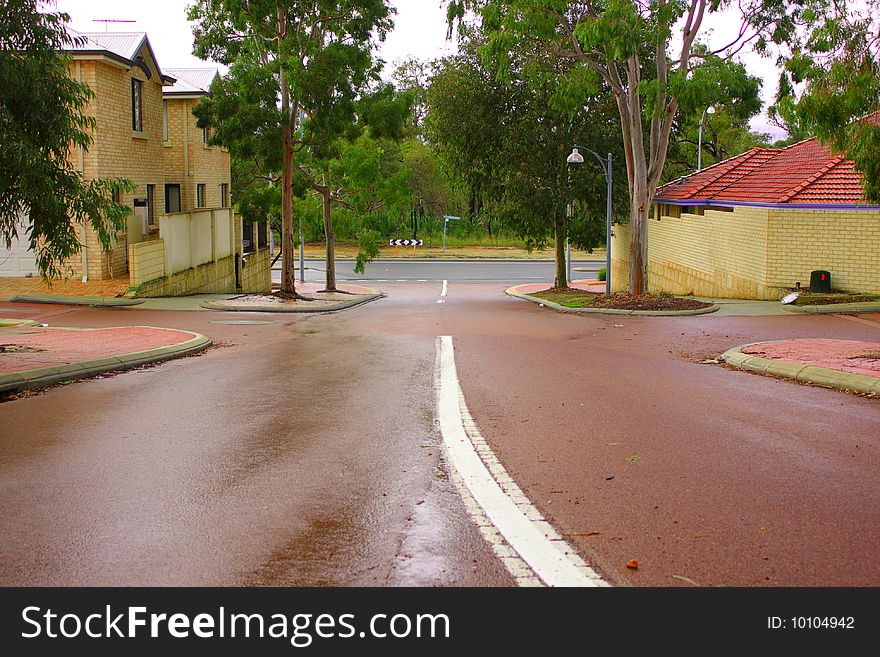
x=601, y=274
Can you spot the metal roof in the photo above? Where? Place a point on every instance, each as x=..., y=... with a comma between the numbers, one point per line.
x=124, y=44
x=190, y=80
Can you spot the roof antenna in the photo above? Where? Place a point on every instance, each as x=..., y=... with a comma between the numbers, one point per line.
x=106, y=21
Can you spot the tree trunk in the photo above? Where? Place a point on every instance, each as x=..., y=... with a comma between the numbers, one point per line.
x=331, y=241
x=288, y=274
x=561, y=274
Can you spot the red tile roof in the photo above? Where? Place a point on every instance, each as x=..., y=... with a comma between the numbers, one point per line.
x=803, y=173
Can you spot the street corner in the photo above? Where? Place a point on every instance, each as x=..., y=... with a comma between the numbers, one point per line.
x=311, y=299
x=34, y=356
x=588, y=297
x=851, y=365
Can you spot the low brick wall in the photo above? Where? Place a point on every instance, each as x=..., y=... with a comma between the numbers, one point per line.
x=211, y=278
x=146, y=262
x=755, y=253
x=256, y=275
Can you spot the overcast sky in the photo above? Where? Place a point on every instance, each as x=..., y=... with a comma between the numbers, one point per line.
x=420, y=31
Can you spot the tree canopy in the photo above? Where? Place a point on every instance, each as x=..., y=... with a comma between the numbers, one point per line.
x=43, y=121
x=645, y=54
x=288, y=59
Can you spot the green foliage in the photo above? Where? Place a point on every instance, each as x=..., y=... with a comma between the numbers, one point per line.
x=528, y=125
x=42, y=122
x=735, y=96
x=835, y=59
x=602, y=274
x=288, y=59
x=368, y=245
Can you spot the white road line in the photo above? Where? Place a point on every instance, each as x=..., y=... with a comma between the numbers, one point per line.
x=441, y=301
x=531, y=549
x=422, y=280
x=445, y=289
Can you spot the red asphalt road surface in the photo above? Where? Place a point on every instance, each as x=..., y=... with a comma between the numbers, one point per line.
x=304, y=451
x=48, y=347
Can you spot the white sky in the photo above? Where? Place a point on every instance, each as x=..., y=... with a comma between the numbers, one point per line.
x=420, y=31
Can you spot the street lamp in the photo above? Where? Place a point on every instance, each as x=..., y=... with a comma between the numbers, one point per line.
x=709, y=110
x=574, y=158
x=577, y=158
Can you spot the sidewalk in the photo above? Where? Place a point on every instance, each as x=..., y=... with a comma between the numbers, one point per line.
x=10, y=287
x=349, y=296
x=37, y=356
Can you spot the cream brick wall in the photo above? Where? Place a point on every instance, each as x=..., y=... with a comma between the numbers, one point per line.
x=256, y=275
x=755, y=253
x=118, y=152
x=185, y=149
x=846, y=243
x=146, y=262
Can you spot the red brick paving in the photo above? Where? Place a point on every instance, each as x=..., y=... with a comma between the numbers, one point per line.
x=842, y=355
x=65, y=346
x=112, y=288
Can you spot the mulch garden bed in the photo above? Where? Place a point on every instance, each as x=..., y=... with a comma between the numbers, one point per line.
x=572, y=298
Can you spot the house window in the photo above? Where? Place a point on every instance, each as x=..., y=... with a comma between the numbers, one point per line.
x=151, y=212
x=165, y=120
x=172, y=198
x=201, y=192
x=137, y=105
x=224, y=195
x=206, y=135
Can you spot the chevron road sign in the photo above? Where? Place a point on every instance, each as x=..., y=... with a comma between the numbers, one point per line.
x=405, y=243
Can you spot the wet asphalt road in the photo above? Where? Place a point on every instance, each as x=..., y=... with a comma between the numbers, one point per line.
x=304, y=452
x=391, y=272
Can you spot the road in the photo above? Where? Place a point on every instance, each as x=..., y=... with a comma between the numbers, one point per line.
x=305, y=451
x=425, y=271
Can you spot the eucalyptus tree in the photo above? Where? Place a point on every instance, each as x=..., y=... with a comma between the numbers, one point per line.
x=527, y=124
x=43, y=119
x=288, y=59
x=643, y=51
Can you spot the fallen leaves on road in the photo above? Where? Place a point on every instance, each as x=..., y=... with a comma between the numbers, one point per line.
x=685, y=579
x=634, y=458
x=582, y=533
x=632, y=565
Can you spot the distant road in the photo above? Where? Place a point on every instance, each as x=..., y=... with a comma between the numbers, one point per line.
x=454, y=271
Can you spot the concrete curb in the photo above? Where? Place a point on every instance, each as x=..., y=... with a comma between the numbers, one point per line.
x=69, y=300
x=836, y=308
x=611, y=311
x=359, y=300
x=17, y=322
x=800, y=372
x=46, y=376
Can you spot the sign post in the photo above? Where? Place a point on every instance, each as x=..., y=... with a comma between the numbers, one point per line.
x=446, y=219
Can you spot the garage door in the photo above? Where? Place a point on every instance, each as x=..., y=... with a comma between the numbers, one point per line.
x=19, y=260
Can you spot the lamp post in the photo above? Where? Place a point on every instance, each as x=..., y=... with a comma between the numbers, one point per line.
x=577, y=158
x=709, y=110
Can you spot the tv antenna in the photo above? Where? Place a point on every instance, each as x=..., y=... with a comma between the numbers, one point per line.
x=107, y=21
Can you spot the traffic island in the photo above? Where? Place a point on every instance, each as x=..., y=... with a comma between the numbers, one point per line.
x=39, y=356
x=312, y=300
x=583, y=297
x=842, y=364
